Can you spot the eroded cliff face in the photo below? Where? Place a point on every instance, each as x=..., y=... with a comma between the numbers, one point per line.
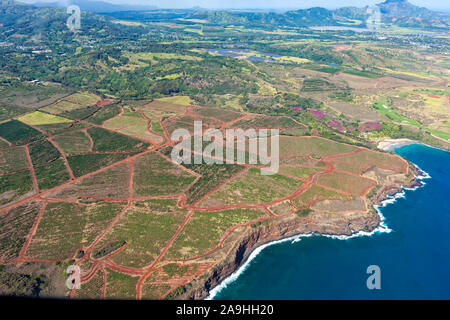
x=346, y=222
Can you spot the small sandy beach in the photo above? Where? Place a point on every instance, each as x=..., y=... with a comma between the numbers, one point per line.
x=390, y=144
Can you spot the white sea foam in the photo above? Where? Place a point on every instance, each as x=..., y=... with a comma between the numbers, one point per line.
x=231, y=278
x=382, y=228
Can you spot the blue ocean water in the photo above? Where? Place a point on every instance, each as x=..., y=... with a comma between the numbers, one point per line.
x=414, y=258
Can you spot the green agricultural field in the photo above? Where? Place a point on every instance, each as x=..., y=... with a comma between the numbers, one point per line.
x=10, y=112
x=205, y=229
x=157, y=128
x=51, y=175
x=104, y=114
x=146, y=232
x=105, y=140
x=91, y=289
x=15, y=224
x=211, y=177
x=17, y=98
x=187, y=122
x=316, y=147
x=71, y=103
x=83, y=98
x=347, y=183
x=80, y=114
x=108, y=249
x=86, y=163
x=73, y=142
x=15, y=131
x=326, y=69
x=42, y=152
x=218, y=113
x=14, y=186
x=159, y=108
x=12, y=159
x=110, y=183
x=154, y=291
x=311, y=85
x=166, y=178
x=38, y=119
x=253, y=188
x=183, y=100
x=299, y=172
x=120, y=286
x=173, y=269
x=365, y=74
x=267, y=122
x=65, y=227
x=133, y=126
x=367, y=159
x=315, y=193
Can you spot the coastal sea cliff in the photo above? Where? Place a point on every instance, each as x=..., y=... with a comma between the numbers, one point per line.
x=288, y=228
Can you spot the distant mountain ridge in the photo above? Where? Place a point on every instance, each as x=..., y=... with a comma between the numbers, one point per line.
x=97, y=6
x=397, y=12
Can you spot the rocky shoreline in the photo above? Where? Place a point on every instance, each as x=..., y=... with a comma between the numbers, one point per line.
x=292, y=226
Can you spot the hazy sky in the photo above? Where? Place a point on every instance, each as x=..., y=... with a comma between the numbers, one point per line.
x=432, y=4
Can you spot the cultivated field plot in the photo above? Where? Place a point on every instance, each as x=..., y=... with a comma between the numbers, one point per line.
x=44, y=121
x=13, y=159
x=76, y=106
x=15, y=187
x=111, y=183
x=351, y=184
x=107, y=141
x=15, y=224
x=182, y=100
x=104, y=192
x=316, y=193
x=146, y=228
x=26, y=97
x=282, y=208
x=205, y=230
x=211, y=176
x=313, y=146
x=42, y=152
x=120, y=286
x=158, y=109
x=187, y=123
x=155, y=175
x=17, y=132
x=86, y=163
x=365, y=159
x=51, y=175
x=220, y=114
x=171, y=276
x=298, y=172
x=75, y=142
x=92, y=289
x=252, y=188
x=269, y=122
x=135, y=125
x=105, y=113
x=66, y=227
